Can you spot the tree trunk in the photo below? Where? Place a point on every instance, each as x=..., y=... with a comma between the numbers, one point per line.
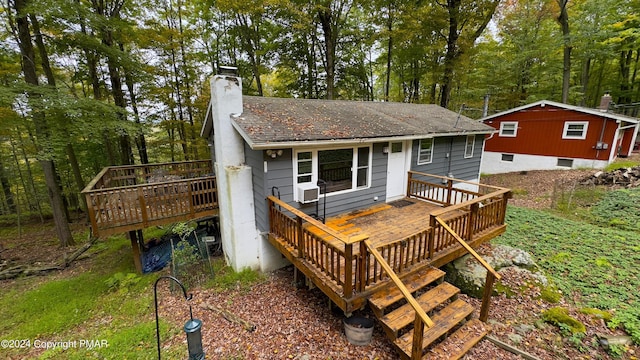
x=6, y=189
x=586, y=70
x=36, y=196
x=563, y=19
x=141, y=142
x=31, y=77
x=330, y=36
x=187, y=82
x=387, y=83
x=77, y=175
x=453, y=8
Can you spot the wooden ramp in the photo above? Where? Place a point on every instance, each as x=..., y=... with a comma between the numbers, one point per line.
x=454, y=332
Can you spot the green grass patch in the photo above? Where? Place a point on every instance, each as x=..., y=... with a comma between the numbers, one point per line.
x=621, y=164
x=226, y=279
x=598, y=263
x=51, y=307
x=619, y=209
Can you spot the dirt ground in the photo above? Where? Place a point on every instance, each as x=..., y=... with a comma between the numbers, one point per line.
x=297, y=323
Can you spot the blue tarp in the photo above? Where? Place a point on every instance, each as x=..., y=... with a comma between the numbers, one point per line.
x=158, y=257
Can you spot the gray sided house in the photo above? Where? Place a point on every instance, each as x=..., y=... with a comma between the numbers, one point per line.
x=323, y=157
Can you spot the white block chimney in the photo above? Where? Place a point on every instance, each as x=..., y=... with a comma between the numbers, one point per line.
x=240, y=238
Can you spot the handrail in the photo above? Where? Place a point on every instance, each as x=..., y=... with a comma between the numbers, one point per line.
x=127, y=187
x=456, y=180
x=403, y=289
x=466, y=203
x=95, y=180
x=311, y=220
x=137, y=166
x=469, y=248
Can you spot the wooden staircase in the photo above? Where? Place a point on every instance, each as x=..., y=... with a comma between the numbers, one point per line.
x=454, y=332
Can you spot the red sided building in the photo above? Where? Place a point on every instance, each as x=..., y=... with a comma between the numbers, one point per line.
x=546, y=135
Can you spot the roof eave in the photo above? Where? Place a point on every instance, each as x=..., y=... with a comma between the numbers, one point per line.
x=352, y=141
x=595, y=112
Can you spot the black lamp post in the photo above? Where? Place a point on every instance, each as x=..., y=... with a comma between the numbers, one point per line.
x=193, y=327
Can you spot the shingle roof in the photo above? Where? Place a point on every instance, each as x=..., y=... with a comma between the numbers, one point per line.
x=278, y=120
x=596, y=112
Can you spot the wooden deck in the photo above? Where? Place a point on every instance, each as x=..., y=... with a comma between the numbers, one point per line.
x=127, y=198
x=388, y=251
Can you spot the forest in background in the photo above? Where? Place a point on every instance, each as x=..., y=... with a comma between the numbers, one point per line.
x=90, y=83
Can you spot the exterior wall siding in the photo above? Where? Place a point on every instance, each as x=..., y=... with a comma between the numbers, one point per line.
x=540, y=131
x=280, y=174
x=456, y=165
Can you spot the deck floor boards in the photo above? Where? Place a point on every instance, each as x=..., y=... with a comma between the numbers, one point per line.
x=381, y=223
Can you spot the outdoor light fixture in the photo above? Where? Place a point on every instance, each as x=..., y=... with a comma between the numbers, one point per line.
x=193, y=327
x=274, y=153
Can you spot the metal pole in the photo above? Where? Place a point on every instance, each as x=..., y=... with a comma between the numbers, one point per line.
x=155, y=299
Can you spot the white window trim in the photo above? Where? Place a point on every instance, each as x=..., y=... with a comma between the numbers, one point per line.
x=433, y=143
x=569, y=123
x=473, y=146
x=515, y=129
x=314, y=168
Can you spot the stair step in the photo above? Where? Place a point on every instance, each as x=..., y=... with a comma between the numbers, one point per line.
x=445, y=320
x=381, y=299
x=405, y=315
x=460, y=342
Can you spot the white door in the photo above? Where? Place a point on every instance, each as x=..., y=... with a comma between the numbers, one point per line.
x=397, y=166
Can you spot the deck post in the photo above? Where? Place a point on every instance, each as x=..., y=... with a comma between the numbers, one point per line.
x=409, y=182
x=362, y=268
x=347, y=288
x=505, y=198
x=135, y=247
x=301, y=250
x=473, y=216
x=143, y=208
x=92, y=215
x=449, y=191
x=486, y=297
x=418, y=334
x=431, y=235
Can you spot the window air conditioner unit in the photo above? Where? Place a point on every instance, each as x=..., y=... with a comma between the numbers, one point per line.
x=308, y=193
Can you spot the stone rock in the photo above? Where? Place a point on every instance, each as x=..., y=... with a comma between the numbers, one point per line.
x=523, y=329
x=469, y=275
x=515, y=338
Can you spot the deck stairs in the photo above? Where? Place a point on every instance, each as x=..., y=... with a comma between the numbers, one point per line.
x=455, y=331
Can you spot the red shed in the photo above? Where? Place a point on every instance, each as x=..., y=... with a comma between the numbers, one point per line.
x=548, y=135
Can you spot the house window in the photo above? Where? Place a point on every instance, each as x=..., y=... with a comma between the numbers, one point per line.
x=575, y=130
x=305, y=167
x=340, y=169
x=425, y=152
x=335, y=168
x=468, y=149
x=396, y=147
x=565, y=163
x=509, y=128
x=507, y=157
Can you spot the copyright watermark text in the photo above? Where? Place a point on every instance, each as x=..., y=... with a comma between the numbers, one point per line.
x=48, y=344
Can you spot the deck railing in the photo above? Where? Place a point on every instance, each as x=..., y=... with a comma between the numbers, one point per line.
x=125, y=198
x=442, y=190
x=125, y=175
x=332, y=254
x=313, y=242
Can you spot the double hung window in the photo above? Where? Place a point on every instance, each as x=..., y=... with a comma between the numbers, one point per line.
x=340, y=169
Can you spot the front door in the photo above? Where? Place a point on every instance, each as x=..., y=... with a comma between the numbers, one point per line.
x=397, y=169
